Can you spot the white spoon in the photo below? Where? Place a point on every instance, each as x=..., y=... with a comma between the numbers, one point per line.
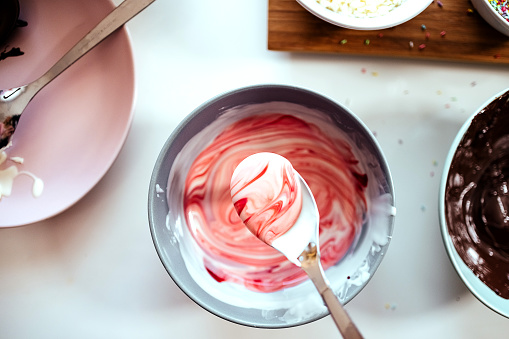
x=268, y=194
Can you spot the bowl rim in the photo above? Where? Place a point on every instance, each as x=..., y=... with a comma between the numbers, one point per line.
x=482, y=292
x=393, y=18
x=153, y=195
x=492, y=10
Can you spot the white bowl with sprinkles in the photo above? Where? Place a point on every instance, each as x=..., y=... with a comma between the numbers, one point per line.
x=365, y=14
x=495, y=12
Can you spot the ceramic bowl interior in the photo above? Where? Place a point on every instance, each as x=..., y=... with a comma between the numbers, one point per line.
x=495, y=19
x=291, y=306
x=457, y=228
x=406, y=11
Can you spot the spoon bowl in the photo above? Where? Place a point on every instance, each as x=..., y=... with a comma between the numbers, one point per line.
x=303, y=235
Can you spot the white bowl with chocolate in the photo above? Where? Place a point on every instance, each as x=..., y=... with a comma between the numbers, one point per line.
x=365, y=14
x=474, y=203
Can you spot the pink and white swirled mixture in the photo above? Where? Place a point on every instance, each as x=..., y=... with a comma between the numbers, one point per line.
x=328, y=165
x=267, y=195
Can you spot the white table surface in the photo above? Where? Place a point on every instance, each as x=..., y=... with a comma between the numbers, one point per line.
x=93, y=272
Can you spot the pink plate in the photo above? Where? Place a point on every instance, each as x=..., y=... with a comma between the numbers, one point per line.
x=73, y=130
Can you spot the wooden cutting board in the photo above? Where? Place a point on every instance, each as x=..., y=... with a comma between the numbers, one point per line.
x=453, y=31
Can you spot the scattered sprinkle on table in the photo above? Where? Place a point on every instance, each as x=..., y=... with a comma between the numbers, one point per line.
x=367, y=42
x=411, y=44
x=422, y=46
x=423, y=27
x=390, y=306
x=344, y=41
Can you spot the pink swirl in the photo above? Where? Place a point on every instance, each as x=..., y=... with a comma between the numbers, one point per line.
x=326, y=162
x=266, y=194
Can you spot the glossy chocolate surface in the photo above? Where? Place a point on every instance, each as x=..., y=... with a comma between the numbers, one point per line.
x=477, y=196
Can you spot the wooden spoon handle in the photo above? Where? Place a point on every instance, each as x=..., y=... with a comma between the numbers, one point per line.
x=340, y=316
x=344, y=323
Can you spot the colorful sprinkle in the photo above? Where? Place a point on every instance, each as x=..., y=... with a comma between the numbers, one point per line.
x=363, y=70
x=501, y=7
x=367, y=42
x=470, y=11
x=443, y=33
x=440, y=4
x=411, y=44
x=427, y=35
x=344, y=41
x=422, y=46
x=380, y=35
x=391, y=306
x=423, y=27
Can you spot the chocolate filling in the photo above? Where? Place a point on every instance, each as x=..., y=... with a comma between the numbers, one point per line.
x=477, y=196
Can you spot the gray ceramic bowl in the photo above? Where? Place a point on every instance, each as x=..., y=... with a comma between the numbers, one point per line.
x=282, y=308
x=479, y=147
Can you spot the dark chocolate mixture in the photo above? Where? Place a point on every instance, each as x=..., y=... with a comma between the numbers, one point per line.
x=9, y=21
x=14, y=51
x=477, y=196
